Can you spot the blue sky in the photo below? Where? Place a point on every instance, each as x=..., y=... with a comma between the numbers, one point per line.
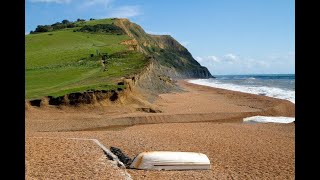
x=227, y=36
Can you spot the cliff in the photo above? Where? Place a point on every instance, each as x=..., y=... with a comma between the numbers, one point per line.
x=71, y=60
x=170, y=57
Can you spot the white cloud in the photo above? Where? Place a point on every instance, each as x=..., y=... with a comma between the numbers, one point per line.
x=51, y=1
x=214, y=58
x=86, y=2
x=185, y=43
x=125, y=12
x=199, y=59
x=90, y=3
x=101, y=6
x=208, y=59
x=26, y=33
x=231, y=58
x=233, y=64
x=94, y=2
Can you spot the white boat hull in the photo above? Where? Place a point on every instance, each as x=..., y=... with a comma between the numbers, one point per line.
x=168, y=160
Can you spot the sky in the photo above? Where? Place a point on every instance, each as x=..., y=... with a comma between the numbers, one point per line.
x=226, y=36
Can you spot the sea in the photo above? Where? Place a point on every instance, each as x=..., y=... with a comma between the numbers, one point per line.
x=281, y=86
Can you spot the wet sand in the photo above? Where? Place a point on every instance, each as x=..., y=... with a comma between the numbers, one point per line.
x=236, y=150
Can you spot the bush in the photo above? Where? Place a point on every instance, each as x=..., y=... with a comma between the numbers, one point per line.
x=71, y=25
x=56, y=24
x=53, y=27
x=107, y=28
x=65, y=21
x=45, y=28
x=79, y=20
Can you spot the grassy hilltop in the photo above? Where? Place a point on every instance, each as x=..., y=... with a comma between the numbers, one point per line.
x=59, y=62
x=67, y=58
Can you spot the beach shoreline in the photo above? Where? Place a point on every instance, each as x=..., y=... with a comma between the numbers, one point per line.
x=200, y=119
x=196, y=104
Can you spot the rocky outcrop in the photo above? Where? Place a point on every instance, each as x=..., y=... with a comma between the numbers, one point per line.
x=79, y=98
x=132, y=44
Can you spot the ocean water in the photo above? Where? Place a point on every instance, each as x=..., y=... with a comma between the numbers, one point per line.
x=281, y=86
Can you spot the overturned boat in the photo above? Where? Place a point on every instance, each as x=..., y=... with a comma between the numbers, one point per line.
x=168, y=160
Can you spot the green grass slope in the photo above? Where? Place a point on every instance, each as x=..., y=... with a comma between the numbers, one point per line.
x=59, y=62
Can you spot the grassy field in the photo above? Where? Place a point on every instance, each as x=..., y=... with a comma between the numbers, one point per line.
x=59, y=62
x=59, y=47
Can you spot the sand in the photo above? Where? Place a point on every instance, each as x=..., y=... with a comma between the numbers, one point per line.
x=196, y=104
x=60, y=158
x=236, y=150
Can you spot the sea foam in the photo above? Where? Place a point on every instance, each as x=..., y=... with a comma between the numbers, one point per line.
x=259, y=90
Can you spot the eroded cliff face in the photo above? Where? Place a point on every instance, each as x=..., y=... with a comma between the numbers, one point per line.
x=168, y=60
x=171, y=57
x=140, y=89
